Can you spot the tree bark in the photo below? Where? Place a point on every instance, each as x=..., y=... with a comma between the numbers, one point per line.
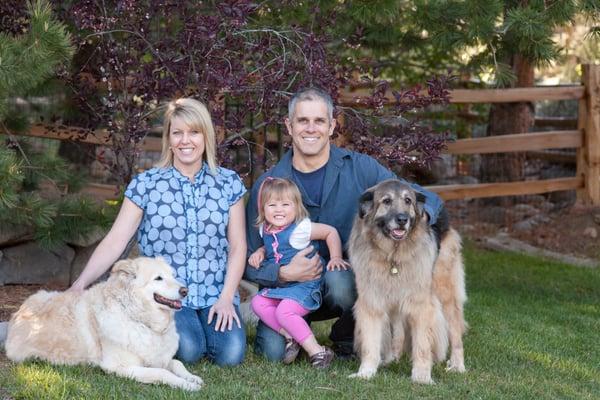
x=509, y=118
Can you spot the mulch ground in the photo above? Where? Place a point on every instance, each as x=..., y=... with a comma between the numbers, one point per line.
x=564, y=231
x=11, y=297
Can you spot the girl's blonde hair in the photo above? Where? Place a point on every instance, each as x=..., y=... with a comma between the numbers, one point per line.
x=196, y=116
x=279, y=188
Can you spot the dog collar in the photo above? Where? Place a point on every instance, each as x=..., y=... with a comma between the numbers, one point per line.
x=394, y=269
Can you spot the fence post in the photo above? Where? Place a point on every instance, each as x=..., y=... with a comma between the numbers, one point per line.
x=588, y=157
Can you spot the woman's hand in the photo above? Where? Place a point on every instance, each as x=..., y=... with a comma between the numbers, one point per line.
x=337, y=263
x=225, y=313
x=257, y=257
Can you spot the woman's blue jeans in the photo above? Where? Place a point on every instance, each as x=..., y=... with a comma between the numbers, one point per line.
x=198, y=339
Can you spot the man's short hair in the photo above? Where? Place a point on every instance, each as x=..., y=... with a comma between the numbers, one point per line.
x=310, y=94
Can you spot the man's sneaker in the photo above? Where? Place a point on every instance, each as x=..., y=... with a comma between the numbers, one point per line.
x=292, y=348
x=322, y=359
x=344, y=352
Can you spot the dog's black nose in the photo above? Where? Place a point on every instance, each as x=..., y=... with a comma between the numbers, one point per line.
x=183, y=291
x=401, y=219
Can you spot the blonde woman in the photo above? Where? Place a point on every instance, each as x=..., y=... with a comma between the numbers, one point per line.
x=190, y=211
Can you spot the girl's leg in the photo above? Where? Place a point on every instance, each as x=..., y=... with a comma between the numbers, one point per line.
x=265, y=308
x=192, y=342
x=224, y=348
x=289, y=314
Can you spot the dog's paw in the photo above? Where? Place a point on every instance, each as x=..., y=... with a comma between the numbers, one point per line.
x=191, y=386
x=194, y=379
x=364, y=373
x=388, y=359
x=455, y=366
x=422, y=376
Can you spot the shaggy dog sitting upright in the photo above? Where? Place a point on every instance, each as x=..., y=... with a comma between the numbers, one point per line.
x=124, y=325
x=410, y=283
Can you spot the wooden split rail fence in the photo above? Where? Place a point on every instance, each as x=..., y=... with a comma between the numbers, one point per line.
x=586, y=139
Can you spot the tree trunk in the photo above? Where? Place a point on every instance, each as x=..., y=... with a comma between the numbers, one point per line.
x=509, y=118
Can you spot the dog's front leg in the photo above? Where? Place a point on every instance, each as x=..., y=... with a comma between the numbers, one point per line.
x=397, y=339
x=153, y=375
x=429, y=339
x=179, y=369
x=369, y=334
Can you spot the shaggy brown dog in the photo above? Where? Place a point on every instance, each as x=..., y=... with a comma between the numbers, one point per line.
x=124, y=325
x=410, y=283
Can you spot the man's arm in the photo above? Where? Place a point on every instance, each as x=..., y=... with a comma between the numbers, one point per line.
x=433, y=203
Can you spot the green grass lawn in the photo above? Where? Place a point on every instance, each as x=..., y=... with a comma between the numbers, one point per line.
x=534, y=334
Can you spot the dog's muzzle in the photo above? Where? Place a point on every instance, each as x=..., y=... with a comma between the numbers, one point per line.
x=397, y=226
x=175, y=304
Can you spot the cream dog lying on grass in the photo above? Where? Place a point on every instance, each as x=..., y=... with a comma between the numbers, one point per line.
x=124, y=325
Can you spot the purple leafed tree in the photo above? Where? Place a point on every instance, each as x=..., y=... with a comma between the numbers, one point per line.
x=135, y=55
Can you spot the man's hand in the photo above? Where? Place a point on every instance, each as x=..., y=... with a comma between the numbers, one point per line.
x=301, y=268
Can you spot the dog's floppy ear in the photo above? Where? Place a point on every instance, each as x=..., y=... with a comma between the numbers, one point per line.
x=365, y=203
x=125, y=268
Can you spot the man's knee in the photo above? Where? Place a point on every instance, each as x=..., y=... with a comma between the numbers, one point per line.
x=269, y=343
x=340, y=289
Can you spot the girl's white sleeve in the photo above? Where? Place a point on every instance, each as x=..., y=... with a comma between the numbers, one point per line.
x=300, y=237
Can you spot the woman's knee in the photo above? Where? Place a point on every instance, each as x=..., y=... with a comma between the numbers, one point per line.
x=192, y=344
x=232, y=352
x=190, y=348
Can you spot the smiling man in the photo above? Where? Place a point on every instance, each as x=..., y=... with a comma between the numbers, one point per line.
x=331, y=181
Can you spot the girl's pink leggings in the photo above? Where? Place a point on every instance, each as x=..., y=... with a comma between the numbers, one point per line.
x=286, y=314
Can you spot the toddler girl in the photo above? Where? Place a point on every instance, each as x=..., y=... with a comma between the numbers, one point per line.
x=286, y=229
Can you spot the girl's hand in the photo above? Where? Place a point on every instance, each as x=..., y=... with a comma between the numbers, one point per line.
x=225, y=312
x=337, y=263
x=257, y=257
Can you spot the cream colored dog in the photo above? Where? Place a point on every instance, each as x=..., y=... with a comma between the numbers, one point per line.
x=124, y=325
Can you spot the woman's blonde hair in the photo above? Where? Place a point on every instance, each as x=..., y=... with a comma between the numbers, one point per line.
x=279, y=188
x=196, y=116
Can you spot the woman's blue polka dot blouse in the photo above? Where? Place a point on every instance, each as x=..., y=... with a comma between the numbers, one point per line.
x=186, y=223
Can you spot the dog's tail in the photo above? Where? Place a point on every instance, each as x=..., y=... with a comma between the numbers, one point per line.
x=449, y=278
